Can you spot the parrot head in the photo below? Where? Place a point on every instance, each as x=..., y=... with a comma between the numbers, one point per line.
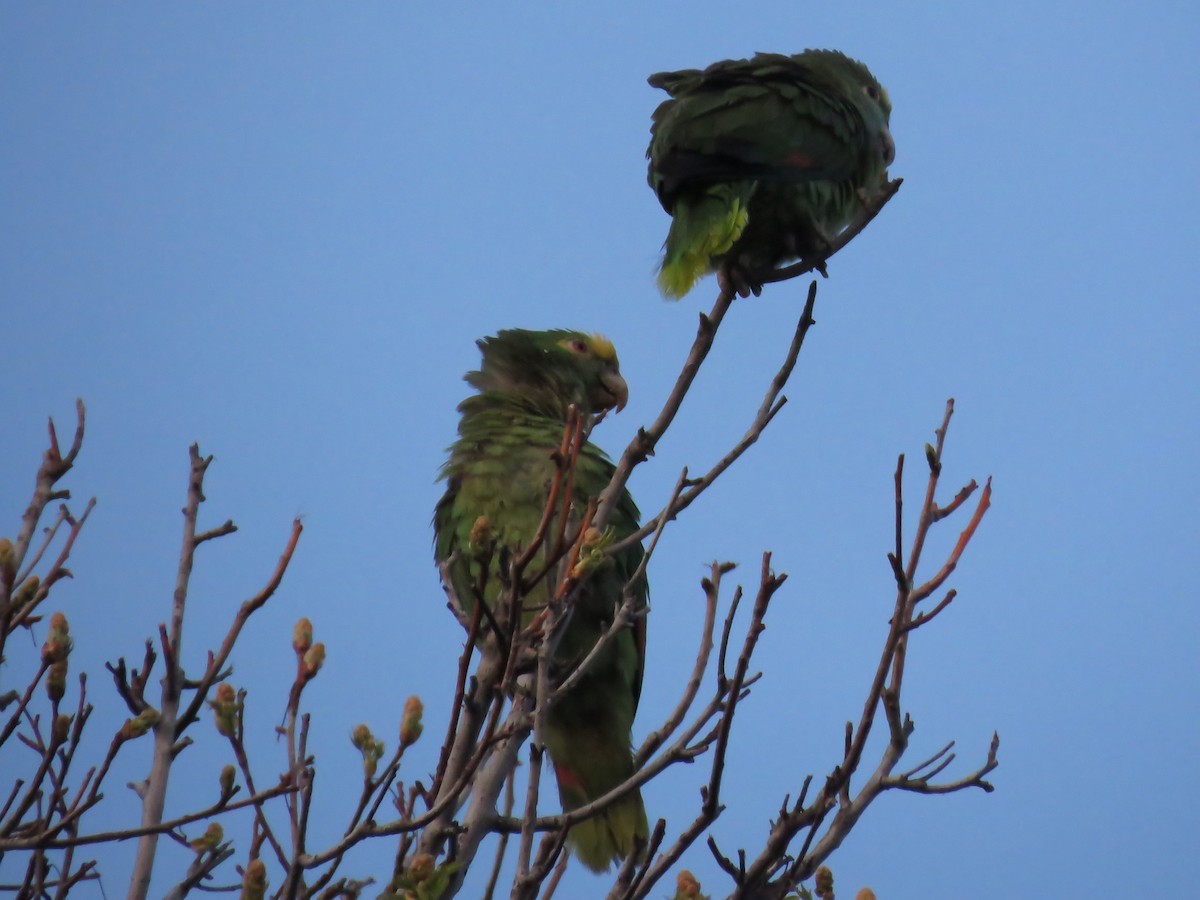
x=854, y=80
x=552, y=370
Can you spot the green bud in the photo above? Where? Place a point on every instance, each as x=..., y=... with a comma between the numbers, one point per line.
x=228, y=774
x=56, y=680
x=591, y=552
x=8, y=558
x=371, y=760
x=314, y=658
x=687, y=887
x=931, y=457
x=225, y=709
x=361, y=736
x=210, y=840
x=141, y=723
x=823, y=884
x=302, y=633
x=58, y=642
x=371, y=749
x=62, y=728
x=254, y=880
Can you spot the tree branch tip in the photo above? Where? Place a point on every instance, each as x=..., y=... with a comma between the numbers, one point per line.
x=220, y=531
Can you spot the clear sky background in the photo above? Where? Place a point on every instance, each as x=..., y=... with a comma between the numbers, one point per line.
x=277, y=230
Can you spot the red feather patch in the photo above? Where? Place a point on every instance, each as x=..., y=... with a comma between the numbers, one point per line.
x=567, y=778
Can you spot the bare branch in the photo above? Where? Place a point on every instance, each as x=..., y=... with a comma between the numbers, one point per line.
x=217, y=662
x=836, y=809
x=165, y=733
x=771, y=405
x=644, y=442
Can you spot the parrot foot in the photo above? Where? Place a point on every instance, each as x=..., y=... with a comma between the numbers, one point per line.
x=732, y=278
x=818, y=266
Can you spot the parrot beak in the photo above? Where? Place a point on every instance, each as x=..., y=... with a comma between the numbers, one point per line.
x=615, y=389
x=889, y=146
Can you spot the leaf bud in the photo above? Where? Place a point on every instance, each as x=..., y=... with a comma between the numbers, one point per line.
x=254, y=880
x=314, y=658
x=210, y=840
x=56, y=680
x=141, y=723
x=225, y=709
x=687, y=887
x=481, y=532
x=58, y=642
x=226, y=780
x=8, y=558
x=302, y=633
x=823, y=884
x=410, y=723
x=421, y=867
x=591, y=551
x=62, y=728
x=931, y=457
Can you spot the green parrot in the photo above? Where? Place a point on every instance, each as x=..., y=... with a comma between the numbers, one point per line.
x=763, y=160
x=497, y=482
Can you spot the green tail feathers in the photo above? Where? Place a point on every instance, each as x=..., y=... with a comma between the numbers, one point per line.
x=589, y=761
x=610, y=835
x=702, y=228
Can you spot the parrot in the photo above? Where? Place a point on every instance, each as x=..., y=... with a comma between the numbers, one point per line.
x=498, y=476
x=763, y=160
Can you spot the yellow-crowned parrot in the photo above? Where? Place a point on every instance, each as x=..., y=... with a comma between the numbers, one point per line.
x=763, y=160
x=498, y=479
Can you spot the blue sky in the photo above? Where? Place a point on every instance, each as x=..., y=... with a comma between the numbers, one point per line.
x=278, y=231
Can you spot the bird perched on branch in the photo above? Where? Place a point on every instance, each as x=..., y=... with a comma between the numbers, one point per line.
x=763, y=160
x=499, y=479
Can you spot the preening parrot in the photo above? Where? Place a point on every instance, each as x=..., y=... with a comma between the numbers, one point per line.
x=763, y=160
x=498, y=478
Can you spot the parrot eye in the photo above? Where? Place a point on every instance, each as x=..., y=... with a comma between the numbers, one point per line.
x=871, y=91
x=578, y=346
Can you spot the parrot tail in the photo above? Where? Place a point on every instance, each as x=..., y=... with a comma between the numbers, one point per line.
x=702, y=227
x=588, y=764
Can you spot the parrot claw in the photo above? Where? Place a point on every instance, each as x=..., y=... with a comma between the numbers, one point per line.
x=732, y=279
